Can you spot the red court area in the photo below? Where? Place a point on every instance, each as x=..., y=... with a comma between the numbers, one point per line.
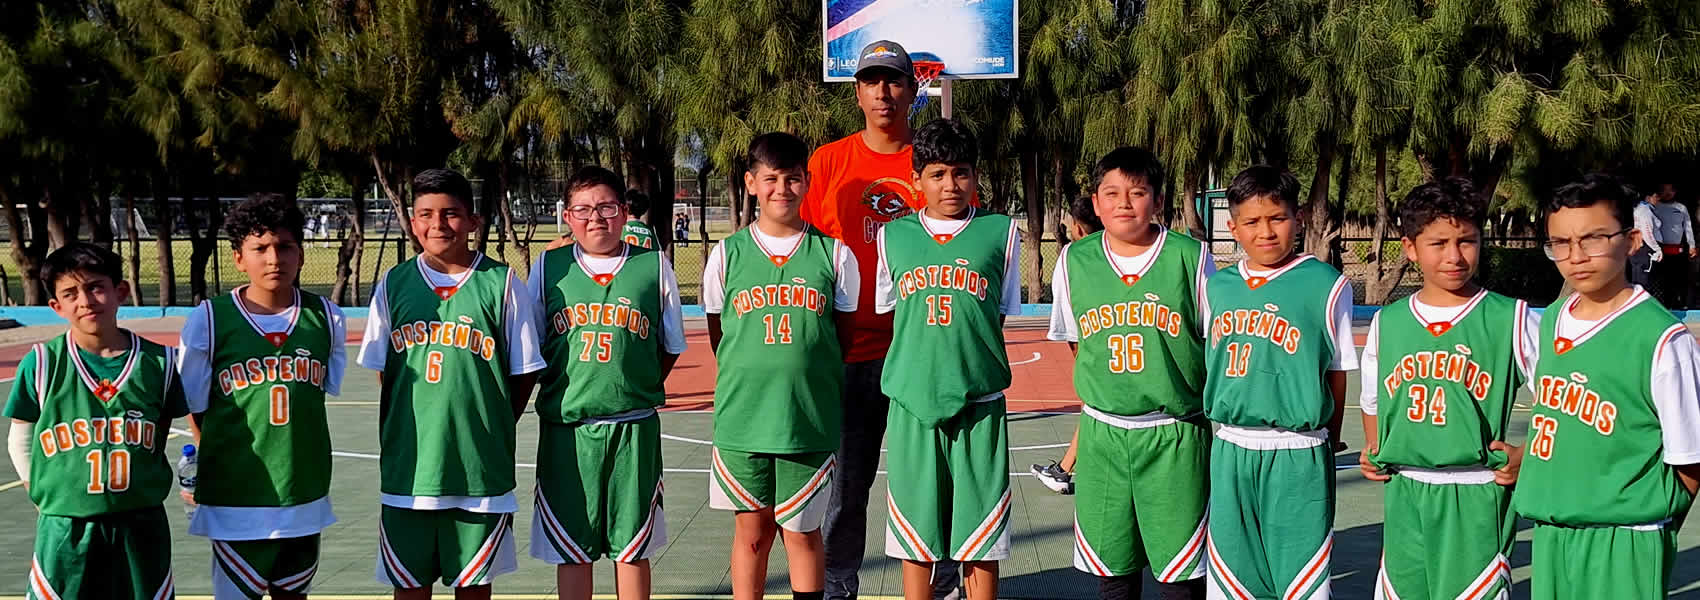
x=1042, y=369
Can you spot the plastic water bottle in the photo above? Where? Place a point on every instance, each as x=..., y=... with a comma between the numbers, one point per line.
x=186, y=470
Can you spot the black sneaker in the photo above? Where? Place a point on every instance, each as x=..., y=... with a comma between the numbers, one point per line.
x=1054, y=477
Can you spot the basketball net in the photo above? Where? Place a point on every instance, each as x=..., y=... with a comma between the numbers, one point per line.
x=926, y=72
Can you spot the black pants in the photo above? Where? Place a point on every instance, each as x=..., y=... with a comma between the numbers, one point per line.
x=845, y=532
x=1639, y=262
x=1672, y=279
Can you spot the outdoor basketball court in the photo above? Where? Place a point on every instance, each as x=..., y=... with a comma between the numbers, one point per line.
x=694, y=563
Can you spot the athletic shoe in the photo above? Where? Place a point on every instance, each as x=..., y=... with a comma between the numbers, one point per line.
x=1054, y=477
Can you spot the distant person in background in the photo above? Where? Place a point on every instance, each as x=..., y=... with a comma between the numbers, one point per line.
x=636, y=232
x=681, y=227
x=1648, y=251
x=1672, y=276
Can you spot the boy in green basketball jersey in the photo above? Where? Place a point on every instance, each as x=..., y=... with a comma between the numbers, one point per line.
x=1614, y=442
x=1280, y=341
x=1126, y=300
x=773, y=293
x=257, y=365
x=90, y=412
x=454, y=338
x=636, y=232
x=1446, y=362
x=950, y=274
x=613, y=330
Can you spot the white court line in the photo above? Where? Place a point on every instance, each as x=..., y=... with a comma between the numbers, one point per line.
x=1035, y=359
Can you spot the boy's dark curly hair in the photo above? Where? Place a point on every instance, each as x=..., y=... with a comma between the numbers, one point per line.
x=1452, y=197
x=944, y=142
x=1083, y=213
x=264, y=213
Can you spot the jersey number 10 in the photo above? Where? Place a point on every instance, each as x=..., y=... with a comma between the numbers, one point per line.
x=116, y=476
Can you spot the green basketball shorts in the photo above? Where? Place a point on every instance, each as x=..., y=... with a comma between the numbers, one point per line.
x=1446, y=535
x=599, y=492
x=1140, y=494
x=1271, y=515
x=1627, y=563
x=794, y=486
x=462, y=548
x=954, y=495
x=246, y=569
x=120, y=555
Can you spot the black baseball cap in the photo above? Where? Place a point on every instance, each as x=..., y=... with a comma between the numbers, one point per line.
x=885, y=54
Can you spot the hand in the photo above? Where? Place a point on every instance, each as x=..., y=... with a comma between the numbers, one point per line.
x=1693, y=252
x=1507, y=475
x=560, y=242
x=1371, y=472
x=187, y=497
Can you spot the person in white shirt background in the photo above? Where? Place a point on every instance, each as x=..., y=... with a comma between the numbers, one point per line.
x=1672, y=276
x=1641, y=261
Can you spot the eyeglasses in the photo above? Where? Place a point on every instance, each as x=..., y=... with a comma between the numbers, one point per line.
x=1593, y=244
x=603, y=211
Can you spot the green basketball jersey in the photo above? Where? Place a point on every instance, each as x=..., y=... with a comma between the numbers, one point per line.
x=100, y=426
x=264, y=439
x=1140, y=348
x=780, y=367
x=446, y=425
x=1270, y=340
x=1447, y=386
x=947, y=344
x=604, y=337
x=638, y=233
x=1595, y=449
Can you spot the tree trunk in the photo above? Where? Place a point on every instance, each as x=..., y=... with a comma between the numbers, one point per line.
x=397, y=203
x=1384, y=276
x=57, y=234
x=27, y=251
x=702, y=211
x=736, y=198
x=203, y=239
x=1191, y=219
x=1033, y=198
x=167, y=265
x=1319, y=233
x=505, y=209
x=131, y=225
x=486, y=203
x=348, y=256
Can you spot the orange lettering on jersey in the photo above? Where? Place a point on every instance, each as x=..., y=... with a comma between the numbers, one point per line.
x=286, y=369
x=80, y=432
x=148, y=436
x=48, y=448
x=62, y=434
x=98, y=426
x=1572, y=397
x=1441, y=366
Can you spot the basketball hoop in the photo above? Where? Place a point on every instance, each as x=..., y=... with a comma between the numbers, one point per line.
x=926, y=72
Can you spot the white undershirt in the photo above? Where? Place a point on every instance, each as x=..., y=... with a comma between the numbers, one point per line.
x=846, y=287
x=1340, y=311
x=885, y=293
x=519, y=325
x=1527, y=346
x=672, y=314
x=1064, y=325
x=1676, y=396
x=195, y=370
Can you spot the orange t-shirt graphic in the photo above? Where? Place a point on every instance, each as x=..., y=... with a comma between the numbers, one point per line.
x=853, y=191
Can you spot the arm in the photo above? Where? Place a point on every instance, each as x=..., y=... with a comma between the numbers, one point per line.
x=194, y=365
x=374, y=340
x=1336, y=392
x=1368, y=397
x=714, y=293
x=672, y=320
x=18, y=447
x=519, y=389
x=1687, y=230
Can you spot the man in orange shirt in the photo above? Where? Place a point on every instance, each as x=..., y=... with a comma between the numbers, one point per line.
x=857, y=185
